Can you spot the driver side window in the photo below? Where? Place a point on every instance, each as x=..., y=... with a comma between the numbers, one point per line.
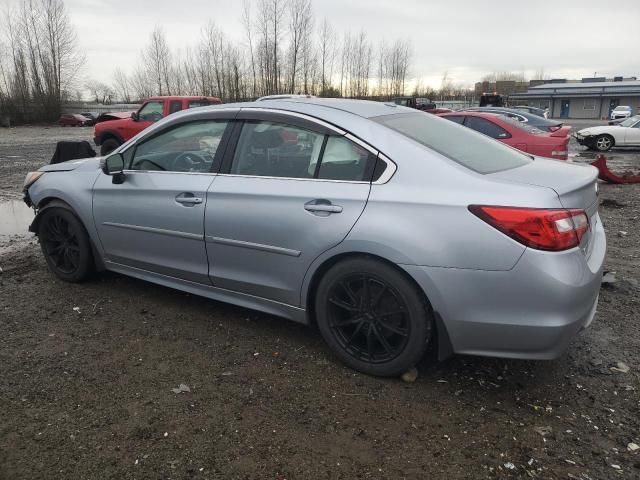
x=189, y=147
x=151, y=112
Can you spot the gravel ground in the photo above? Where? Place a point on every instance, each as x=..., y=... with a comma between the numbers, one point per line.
x=88, y=373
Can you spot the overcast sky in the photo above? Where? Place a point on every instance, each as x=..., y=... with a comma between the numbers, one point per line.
x=466, y=38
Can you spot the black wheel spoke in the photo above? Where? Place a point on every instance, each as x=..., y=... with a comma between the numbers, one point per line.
x=355, y=332
x=365, y=333
x=370, y=342
x=382, y=339
x=344, y=305
x=392, y=328
x=376, y=301
x=352, y=296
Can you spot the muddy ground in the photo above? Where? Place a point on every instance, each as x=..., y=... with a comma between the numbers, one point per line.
x=87, y=372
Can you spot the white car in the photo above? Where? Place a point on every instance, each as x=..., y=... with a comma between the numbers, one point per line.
x=621, y=111
x=603, y=138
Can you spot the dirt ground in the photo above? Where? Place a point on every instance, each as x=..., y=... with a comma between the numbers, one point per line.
x=87, y=374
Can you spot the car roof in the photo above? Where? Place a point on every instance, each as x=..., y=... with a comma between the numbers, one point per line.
x=180, y=97
x=318, y=106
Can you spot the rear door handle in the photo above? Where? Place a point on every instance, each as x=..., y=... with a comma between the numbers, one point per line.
x=322, y=206
x=188, y=199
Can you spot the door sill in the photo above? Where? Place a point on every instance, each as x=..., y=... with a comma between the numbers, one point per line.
x=265, y=305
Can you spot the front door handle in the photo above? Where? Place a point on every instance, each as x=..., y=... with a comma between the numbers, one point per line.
x=188, y=199
x=322, y=207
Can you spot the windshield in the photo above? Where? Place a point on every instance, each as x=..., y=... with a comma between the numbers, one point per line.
x=629, y=121
x=622, y=108
x=471, y=149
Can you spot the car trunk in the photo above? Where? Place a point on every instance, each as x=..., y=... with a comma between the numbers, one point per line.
x=575, y=186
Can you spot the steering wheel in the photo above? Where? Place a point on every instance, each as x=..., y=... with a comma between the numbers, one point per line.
x=186, y=161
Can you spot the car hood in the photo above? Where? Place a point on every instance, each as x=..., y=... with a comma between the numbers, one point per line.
x=83, y=164
x=597, y=130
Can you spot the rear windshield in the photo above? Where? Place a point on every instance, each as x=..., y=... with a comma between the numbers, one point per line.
x=525, y=127
x=471, y=149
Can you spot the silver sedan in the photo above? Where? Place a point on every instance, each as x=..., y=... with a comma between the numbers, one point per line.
x=389, y=228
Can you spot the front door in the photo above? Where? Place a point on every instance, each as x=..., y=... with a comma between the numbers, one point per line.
x=287, y=195
x=564, y=108
x=154, y=220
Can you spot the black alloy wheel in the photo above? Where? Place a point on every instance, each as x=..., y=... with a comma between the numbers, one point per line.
x=65, y=244
x=372, y=316
x=368, y=318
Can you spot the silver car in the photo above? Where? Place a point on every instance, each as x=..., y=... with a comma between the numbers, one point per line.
x=389, y=228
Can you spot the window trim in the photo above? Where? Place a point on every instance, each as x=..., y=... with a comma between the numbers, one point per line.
x=225, y=169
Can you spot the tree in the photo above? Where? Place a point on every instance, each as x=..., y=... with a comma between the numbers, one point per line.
x=121, y=86
x=327, y=55
x=157, y=60
x=41, y=61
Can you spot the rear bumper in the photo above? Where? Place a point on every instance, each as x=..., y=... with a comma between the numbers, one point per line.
x=532, y=311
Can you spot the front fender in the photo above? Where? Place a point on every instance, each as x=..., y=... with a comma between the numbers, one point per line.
x=73, y=188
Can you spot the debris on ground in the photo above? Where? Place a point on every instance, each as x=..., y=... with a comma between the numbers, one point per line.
x=609, y=278
x=181, y=389
x=620, y=367
x=410, y=375
x=622, y=233
x=544, y=431
x=632, y=447
x=612, y=203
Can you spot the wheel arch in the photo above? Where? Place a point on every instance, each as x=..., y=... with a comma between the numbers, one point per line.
x=53, y=202
x=108, y=134
x=443, y=342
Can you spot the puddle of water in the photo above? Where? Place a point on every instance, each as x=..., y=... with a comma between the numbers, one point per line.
x=15, y=218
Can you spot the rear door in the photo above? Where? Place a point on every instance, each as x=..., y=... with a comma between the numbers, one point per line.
x=290, y=190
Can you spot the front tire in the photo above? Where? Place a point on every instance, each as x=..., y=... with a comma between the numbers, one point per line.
x=603, y=143
x=108, y=146
x=65, y=244
x=373, y=318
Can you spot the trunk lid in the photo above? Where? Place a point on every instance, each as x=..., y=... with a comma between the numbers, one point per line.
x=575, y=185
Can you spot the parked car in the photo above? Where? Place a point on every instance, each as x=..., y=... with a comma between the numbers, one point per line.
x=105, y=116
x=73, y=120
x=92, y=116
x=544, y=113
x=534, y=120
x=423, y=104
x=516, y=134
x=605, y=137
x=621, y=111
x=388, y=228
x=110, y=135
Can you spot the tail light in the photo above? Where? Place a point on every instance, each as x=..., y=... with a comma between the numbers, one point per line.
x=543, y=229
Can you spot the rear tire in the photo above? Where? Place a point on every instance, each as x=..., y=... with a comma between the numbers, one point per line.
x=373, y=318
x=65, y=244
x=603, y=143
x=108, y=146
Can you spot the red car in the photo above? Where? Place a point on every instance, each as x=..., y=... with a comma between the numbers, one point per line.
x=73, y=120
x=516, y=134
x=109, y=135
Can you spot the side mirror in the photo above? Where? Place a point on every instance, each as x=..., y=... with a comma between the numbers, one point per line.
x=114, y=165
x=134, y=116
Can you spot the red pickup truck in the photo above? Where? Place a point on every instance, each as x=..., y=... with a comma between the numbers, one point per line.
x=111, y=134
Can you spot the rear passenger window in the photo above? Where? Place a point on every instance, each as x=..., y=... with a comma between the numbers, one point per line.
x=345, y=160
x=485, y=126
x=269, y=149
